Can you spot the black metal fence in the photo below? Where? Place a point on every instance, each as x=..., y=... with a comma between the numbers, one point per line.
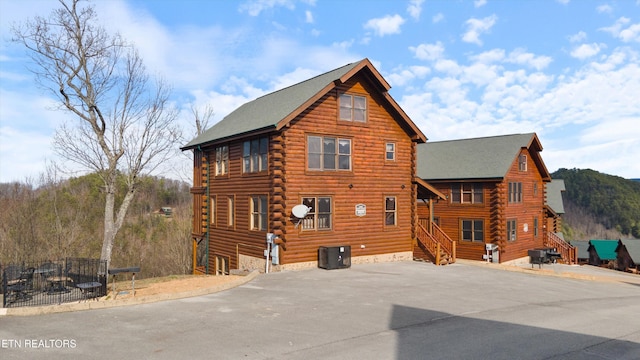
x=53, y=282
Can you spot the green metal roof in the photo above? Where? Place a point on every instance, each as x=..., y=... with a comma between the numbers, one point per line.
x=477, y=158
x=268, y=110
x=554, y=195
x=606, y=249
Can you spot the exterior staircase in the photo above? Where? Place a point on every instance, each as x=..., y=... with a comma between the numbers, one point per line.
x=437, y=245
x=568, y=252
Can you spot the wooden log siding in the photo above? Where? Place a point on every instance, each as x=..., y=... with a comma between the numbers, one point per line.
x=495, y=211
x=532, y=206
x=371, y=177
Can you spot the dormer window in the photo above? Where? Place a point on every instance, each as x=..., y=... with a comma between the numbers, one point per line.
x=522, y=163
x=353, y=108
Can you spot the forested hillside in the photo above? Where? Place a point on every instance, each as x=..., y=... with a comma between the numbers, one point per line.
x=598, y=205
x=65, y=219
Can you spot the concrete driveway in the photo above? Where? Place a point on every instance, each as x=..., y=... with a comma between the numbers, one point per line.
x=407, y=310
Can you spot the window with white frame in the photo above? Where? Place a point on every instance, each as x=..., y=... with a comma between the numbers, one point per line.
x=258, y=207
x=390, y=151
x=254, y=155
x=353, y=108
x=472, y=230
x=222, y=160
x=319, y=215
x=390, y=211
x=328, y=153
x=512, y=229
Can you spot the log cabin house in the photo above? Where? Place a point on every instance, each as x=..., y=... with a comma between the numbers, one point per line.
x=495, y=207
x=338, y=144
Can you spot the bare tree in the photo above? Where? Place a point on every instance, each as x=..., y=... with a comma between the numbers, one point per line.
x=126, y=126
x=202, y=117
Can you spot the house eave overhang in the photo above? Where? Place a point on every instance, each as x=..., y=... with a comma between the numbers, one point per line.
x=429, y=188
x=256, y=132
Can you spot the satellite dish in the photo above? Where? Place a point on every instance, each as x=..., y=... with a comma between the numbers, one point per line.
x=300, y=211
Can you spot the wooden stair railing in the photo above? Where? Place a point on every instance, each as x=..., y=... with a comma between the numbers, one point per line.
x=569, y=252
x=438, y=244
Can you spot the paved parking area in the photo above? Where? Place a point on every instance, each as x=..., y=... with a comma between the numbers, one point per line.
x=406, y=310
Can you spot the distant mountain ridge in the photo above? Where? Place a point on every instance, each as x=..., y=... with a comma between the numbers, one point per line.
x=598, y=205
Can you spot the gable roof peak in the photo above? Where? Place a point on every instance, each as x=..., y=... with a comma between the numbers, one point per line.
x=477, y=158
x=275, y=110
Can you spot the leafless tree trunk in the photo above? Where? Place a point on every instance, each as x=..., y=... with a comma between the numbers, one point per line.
x=127, y=126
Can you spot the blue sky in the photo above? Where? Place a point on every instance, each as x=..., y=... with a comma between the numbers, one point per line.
x=568, y=70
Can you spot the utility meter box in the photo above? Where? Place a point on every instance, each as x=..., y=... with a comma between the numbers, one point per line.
x=334, y=257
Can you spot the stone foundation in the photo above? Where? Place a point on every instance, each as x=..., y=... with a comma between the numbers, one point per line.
x=250, y=263
x=517, y=262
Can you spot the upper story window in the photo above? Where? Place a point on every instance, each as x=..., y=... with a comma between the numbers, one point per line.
x=515, y=192
x=353, y=108
x=522, y=162
x=328, y=153
x=254, y=155
x=467, y=193
x=390, y=151
x=222, y=160
x=319, y=215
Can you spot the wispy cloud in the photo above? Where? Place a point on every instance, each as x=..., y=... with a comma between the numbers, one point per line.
x=255, y=7
x=428, y=52
x=620, y=30
x=415, y=8
x=605, y=8
x=476, y=27
x=578, y=37
x=479, y=3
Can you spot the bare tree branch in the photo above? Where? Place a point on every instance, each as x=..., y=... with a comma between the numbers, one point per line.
x=127, y=125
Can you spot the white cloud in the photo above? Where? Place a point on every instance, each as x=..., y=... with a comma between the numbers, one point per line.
x=488, y=57
x=605, y=8
x=387, y=25
x=415, y=8
x=578, y=37
x=403, y=76
x=563, y=2
x=586, y=50
x=428, y=51
x=521, y=57
x=476, y=27
x=632, y=33
x=255, y=7
x=620, y=31
x=479, y=3
x=308, y=17
x=437, y=18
